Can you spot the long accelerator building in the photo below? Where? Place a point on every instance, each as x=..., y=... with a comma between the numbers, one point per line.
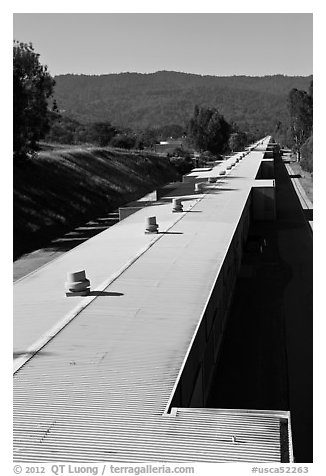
x=123, y=374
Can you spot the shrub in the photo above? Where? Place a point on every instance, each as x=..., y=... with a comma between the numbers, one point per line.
x=183, y=165
x=307, y=155
x=124, y=141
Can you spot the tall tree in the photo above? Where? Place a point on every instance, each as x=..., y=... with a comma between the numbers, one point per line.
x=208, y=130
x=32, y=87
x=301, y=117
x=237, y=141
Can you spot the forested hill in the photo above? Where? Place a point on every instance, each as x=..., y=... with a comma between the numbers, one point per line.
x=147, y=100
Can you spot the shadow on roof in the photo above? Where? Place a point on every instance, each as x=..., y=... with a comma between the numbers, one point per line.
x=104, y=293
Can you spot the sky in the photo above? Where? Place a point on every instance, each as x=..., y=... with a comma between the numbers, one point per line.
x=220, y=44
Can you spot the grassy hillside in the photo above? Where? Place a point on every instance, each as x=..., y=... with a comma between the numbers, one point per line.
x=147, y=100
x=64, y=188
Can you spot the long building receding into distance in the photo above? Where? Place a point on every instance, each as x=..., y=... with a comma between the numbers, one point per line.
x=123, y=374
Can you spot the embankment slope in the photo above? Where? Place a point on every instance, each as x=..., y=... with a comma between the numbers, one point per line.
x=63, y=188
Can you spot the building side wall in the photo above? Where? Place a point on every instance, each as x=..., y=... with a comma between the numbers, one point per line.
x=194, y=382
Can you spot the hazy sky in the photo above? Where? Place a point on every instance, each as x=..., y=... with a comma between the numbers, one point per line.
x=214, y=43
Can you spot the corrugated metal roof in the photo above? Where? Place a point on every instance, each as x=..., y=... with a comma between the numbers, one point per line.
x=99, y=390
x=39, y=298
x=192, y=436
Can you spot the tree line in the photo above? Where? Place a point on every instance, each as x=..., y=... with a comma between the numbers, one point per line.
x=139, y=101
x=37, y=116
x=65, y=130
x=297, y=131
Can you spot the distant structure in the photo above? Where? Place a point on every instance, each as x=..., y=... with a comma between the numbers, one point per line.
x=123, y=374
x=169, y=146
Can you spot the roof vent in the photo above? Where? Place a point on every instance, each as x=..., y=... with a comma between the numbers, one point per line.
x=151, y=225
x=177, y=205
x=77, y=284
